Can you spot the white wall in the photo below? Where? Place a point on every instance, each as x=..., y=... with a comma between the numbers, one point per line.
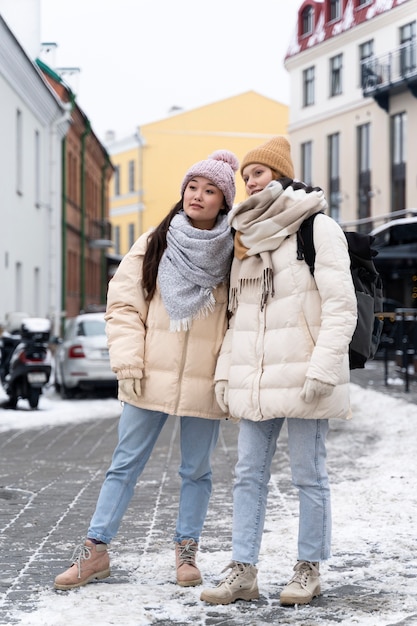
x=30, y=264
x=343, y=114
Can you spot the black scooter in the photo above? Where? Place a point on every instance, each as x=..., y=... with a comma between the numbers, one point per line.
x=25, y=362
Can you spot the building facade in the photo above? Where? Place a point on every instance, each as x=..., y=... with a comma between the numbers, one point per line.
x=85, y=226
x=353, y=76
x=151, y=163
x=55, y=232
x=33, y=123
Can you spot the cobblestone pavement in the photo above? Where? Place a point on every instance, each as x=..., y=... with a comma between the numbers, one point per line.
x=50, y=478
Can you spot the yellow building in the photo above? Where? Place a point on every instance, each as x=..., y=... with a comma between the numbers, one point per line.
x=150, y=164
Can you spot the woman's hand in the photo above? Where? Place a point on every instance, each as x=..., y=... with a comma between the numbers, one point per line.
x=221, y=389
x=130, y=387
x=314, y=388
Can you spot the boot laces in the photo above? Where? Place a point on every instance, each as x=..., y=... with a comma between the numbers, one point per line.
x=187, y=552
x=236, y=570
x=303, y=571
x=81, y=553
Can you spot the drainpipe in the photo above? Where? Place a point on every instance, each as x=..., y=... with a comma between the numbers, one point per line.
x=141, y=143
x=83, y=213
x=104, y=235
x=63, y=234
x=59, y=128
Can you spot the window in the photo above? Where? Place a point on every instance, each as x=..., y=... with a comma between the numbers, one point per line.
x=362, y=3
x=37, y=169
x=398, y=160
x=366, y=71
x=306, y=162
x=307, y=20
x=117, y=239
x=408, y=48
x=19, y=153
x=18, y=281
x=37, y=290
x=364, y=170
x=308, y=86
x=131, y=176
x=335, y=9
x=336, y=75
x=117, y=180
x=131, y=235
x=334, y=175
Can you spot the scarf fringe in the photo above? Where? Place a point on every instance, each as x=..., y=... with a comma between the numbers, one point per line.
x=264, y=284
x=176, y=326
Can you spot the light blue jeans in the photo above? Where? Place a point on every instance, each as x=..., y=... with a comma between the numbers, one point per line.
x=138, y=431
x=307, y=451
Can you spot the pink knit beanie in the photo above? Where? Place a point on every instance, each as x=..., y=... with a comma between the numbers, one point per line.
x=220, y=168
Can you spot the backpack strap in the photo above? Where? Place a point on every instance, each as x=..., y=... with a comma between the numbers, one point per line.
x=305, y=242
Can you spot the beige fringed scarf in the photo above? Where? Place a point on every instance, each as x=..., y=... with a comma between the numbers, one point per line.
x=262, y=223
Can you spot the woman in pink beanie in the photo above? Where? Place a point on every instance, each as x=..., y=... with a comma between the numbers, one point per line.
x=166, y=319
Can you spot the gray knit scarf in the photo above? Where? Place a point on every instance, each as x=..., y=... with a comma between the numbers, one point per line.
x=263, y=222
x=195, y=261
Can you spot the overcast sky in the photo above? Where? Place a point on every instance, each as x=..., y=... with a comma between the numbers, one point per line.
x=139, y=58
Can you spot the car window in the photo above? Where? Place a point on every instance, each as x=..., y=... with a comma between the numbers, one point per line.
x=91, y=328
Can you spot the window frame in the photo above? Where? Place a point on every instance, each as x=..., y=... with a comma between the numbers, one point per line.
x=309, y=86
x=336, y=75
x=307, y=21
x=333, y=151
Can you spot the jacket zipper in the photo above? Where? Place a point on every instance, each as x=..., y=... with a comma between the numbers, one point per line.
x=181, y=371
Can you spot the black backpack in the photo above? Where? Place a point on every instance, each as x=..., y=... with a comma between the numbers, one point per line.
x=368, y=289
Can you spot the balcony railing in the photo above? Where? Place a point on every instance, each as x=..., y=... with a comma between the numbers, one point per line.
x=390, y=73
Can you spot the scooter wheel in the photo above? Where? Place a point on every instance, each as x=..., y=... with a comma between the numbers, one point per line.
x=33, y=398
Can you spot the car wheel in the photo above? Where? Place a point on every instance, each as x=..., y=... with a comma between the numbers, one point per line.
x=67, y=393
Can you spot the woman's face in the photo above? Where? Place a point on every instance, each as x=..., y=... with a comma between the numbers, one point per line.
x=202, y=202
x=256, y=177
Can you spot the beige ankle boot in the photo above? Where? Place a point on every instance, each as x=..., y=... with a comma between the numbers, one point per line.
x=303, y=586
x=188, y=574
x=90, y=561
x=240, y=584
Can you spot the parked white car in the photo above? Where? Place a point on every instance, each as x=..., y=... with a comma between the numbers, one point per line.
x=82, y=360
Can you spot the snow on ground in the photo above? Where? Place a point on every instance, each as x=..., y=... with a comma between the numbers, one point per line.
x=373, y=462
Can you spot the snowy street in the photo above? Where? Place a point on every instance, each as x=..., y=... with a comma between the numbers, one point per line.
x=53, y=462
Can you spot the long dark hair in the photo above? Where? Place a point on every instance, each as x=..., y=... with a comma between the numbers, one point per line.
x=157, y=242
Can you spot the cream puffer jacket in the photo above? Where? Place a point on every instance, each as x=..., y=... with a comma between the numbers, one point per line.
x=175, y=369
x=303, y=331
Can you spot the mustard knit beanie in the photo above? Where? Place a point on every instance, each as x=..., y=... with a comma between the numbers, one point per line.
x=275, y=153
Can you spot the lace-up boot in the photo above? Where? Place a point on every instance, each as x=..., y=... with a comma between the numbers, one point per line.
x=188, y=574
x=89, y=561
x=240, y=584
x=303, y=586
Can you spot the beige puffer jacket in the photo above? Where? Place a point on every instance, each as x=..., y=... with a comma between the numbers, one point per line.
x=176, y=369
x=303, y=331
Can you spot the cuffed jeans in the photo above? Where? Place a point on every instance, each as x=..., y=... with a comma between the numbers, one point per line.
x=307, y=450
x=138, y=431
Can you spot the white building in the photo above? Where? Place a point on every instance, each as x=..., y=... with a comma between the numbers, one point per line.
x=349, y=131
x=33, y=122
x=353, y=113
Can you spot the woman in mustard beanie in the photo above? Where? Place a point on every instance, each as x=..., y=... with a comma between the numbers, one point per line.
x=285, y=355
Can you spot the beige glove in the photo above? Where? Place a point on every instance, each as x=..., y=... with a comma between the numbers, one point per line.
x=130, y=387
x=314, y=388
x=221, y=389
